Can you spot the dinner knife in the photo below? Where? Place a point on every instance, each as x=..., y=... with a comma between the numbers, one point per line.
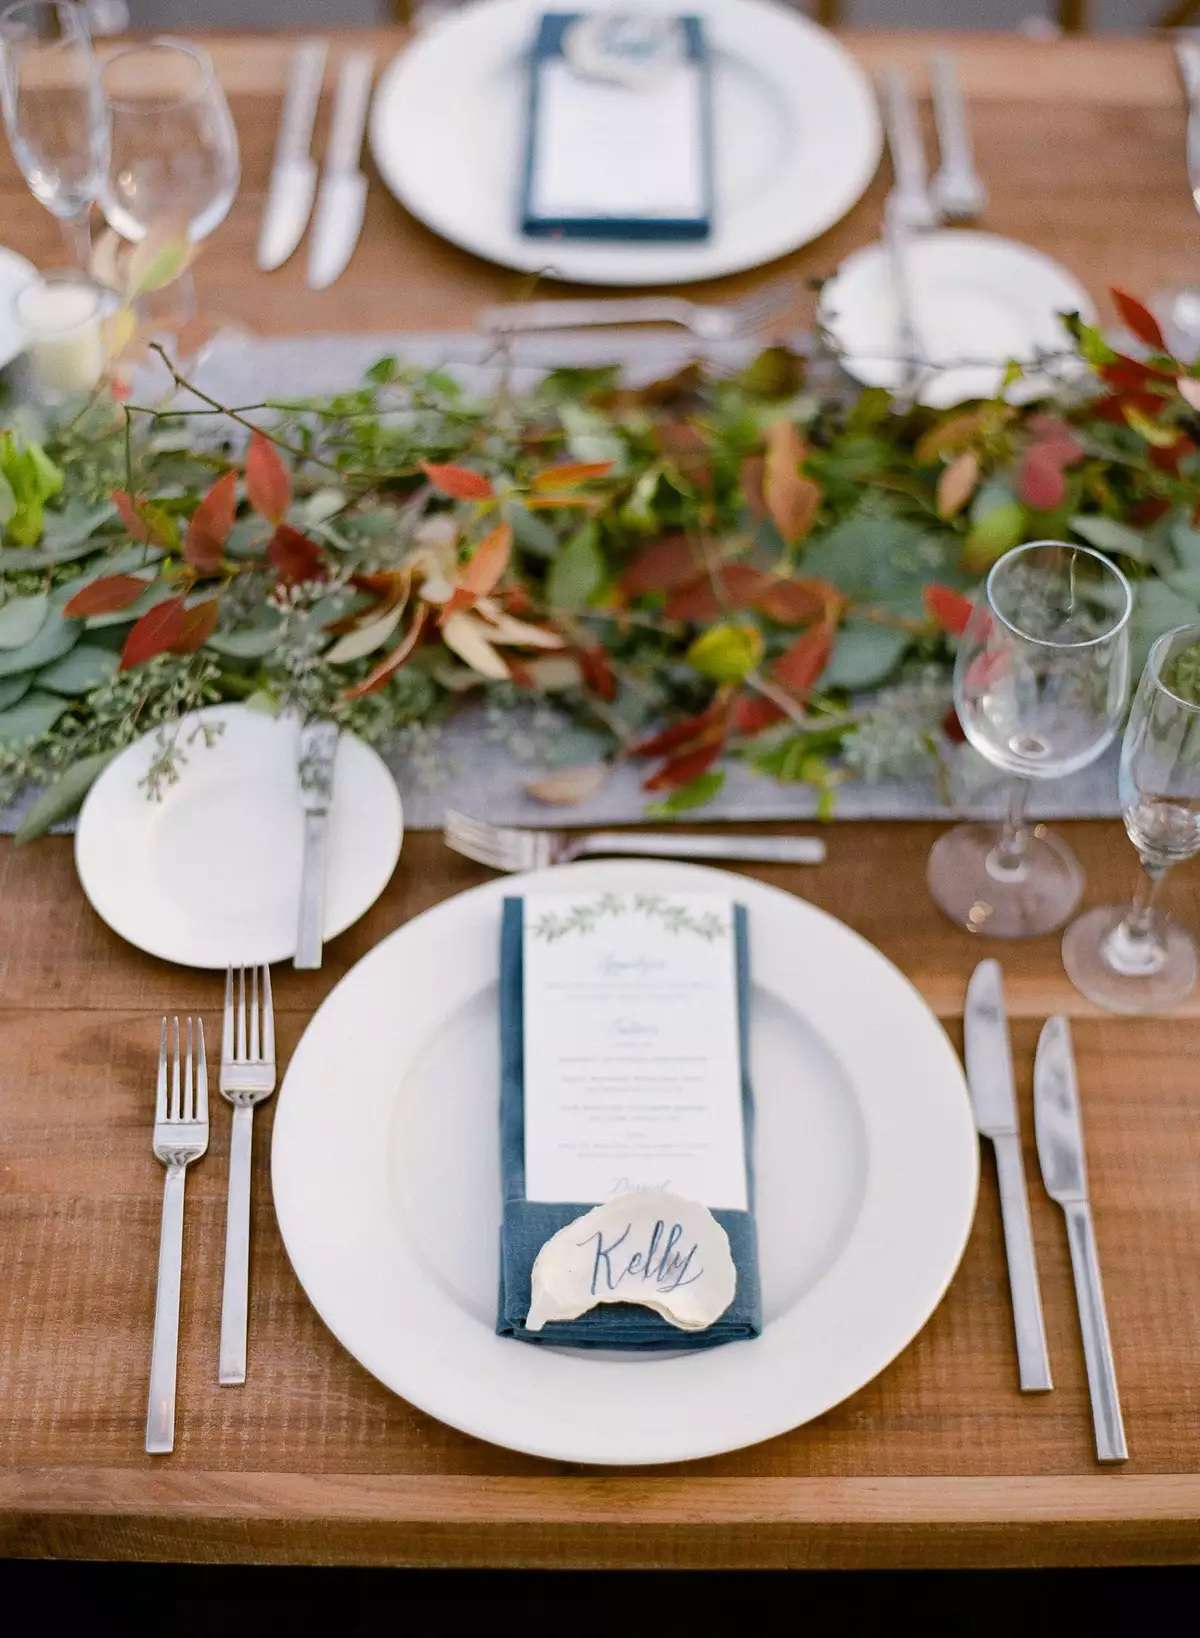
x=318, y=746
x=994, y=1100
x=1187, y=53
x=1064, y=1172
x=343, y=195
x=293, y=175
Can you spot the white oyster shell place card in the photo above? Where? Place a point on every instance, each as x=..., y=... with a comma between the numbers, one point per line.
x=647, y=1247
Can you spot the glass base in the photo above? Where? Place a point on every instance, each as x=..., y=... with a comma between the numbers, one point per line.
x=969, y=883
x=1167, y=975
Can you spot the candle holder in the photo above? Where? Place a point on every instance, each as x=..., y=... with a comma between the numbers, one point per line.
x=61, y=315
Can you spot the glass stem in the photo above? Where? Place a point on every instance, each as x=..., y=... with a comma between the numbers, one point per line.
x=1008, y=856
x=77, y=235
x=1135, y=946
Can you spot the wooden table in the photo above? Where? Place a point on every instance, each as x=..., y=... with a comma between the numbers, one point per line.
x=940, y=1461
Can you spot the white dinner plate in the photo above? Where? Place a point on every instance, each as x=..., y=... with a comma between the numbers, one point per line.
x=796, y=141
x=15, y=273
x=210, y=876
x=975, y=297
x=385, y=1171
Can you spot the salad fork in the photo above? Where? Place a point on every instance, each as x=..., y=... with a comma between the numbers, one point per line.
x=511, y=848
x=180, y=1136
x=247, y=1077
x=710, y=321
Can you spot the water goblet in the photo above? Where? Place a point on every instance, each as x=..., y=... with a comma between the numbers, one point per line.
x=1133, y=957
x=1041, y=680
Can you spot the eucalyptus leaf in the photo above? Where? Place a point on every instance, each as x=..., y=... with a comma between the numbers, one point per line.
x=12, y=688
x=590, y=435
x=531, y=532
x=56, y=638
x=1107, y=535
x=248, y=538
x=577, y=571
x=1186, y=541
x=864, y=655
x=252, y=642
x=878, y=558
x=21, y=618
x=31, y=717
x=1156, y=608
x=322, y=505
x=60, y=800
x=66, y=536
x=78, y=672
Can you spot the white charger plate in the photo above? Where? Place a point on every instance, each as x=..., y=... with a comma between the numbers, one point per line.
x=210, y=876
x=385, y=1171
x=796, y=141
x=975, y=296
x=15, y=274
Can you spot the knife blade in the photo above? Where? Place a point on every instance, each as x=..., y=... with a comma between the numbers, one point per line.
x=293, y=182
x=343, y=196
x=1059, y=1128
x=994, y=1101
x=1187, y=53
x=318, y=748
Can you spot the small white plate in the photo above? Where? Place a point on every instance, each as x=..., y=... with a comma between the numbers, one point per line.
x=386, y=1175
x=975, y=297
x=15, y=273
x=210, y=876
x=796, y=141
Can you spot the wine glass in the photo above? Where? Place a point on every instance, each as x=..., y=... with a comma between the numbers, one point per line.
x=1041, y=680
x=53, y=111
x=1133, y=958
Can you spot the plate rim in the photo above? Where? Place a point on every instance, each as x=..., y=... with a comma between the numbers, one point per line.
x=689, y=265
x=483, y=1424
x=22, y=265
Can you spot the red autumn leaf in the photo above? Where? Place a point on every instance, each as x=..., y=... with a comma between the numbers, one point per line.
x=516, y=600
x=147, y=524
x=1139, y=319
x=1132, y=375
x=391, y=663
x=157, y=632
x=685, y=444
x=1112, y=407
x=729, y=586
x=1148, y=511
x=198, y=624
x=1167, y=460
x=598, y=674
x=1040, y=480
x=1052, y=432
x=661, y=566
x=484, y=568
x=957, y=483
x=570, y=474
x=268, y=482
x=793, y=499
x=754, y=712
x=107, y=595
x=799, y=666
x=681, y=770
x=295, y=556
x=750, y=477
x=705, y=724
x=208, y=530
x=949, y=608
x=459, y=482
x=953, y=728
x=791, y=602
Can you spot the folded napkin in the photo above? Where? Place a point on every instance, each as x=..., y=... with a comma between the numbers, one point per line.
x=527, y=1224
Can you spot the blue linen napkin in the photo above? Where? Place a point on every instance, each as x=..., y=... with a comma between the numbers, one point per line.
x=526, y=1225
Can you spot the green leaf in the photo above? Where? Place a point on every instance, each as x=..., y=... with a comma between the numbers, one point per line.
x=692, y=795
x=60, y=800
x=46, y=477
x=590, y=435
x=384, y=371
x=1156, y=608
x=251, y=642
x=78, y=672
x=21, y=618
x=8, y=501
x=67, y=535
x=531, y=533
x=726, y=652
x=31, y=717
x=1107, y=535
x=864, y=655
x=12, y=688
x=322, y=505
x=1186, y=541
x=56, y=638
x=877, y=557
x=577, y=571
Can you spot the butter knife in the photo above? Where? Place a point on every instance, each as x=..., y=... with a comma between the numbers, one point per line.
x=343, y=196
x=318, y=746
x=994, y=1100
x=293, y=175
x=1064, y=1172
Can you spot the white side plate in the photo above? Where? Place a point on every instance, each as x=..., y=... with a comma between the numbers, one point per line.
x=15, y=273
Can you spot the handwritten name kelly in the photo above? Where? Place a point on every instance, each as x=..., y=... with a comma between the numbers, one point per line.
x=660, y=1262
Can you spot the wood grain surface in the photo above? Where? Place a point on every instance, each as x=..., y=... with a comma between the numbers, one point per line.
x=940, y=1460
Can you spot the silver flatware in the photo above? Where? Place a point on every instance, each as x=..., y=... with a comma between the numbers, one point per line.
x=318, y=746
x=909, y=197
x=247, y=1077
x=1064, y=1172
x=994, y=1100
x=343, y=196
x=957, y=189
x=1187, y=54
x=180, y=1137
x=293, y=175
x=897, y=243
x=510, y=848
x=710, y=321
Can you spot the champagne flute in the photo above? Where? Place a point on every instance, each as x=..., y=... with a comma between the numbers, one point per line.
x=1041, y=680
x=1133, y=958
x=53, y=111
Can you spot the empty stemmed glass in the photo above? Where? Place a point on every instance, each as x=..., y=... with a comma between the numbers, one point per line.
x=1132, y=957
x=53, y=111
x=1041, y=680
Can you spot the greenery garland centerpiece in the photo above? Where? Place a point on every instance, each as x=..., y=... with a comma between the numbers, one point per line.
x=713, y=566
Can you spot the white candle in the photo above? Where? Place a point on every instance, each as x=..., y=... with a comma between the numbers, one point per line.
x=62, y=323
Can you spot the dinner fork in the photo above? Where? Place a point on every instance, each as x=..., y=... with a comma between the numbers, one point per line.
x=247, y=1077
x=514, y=849
x=957, y=189
x=180, y=1136
x=710, y=321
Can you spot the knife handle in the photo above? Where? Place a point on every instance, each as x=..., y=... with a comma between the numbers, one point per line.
x=1033, y=1357
x=310, y=930
x=1097, y=1344
x=350, y=112
x=300, y=101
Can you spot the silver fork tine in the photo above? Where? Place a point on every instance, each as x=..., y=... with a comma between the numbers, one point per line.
x=268, y=1014
x=174, y=1112
x=201, y=1074
x=189, y=1092
x=464, y=825
x=254, y=1030
x=241, y=1014
x=160, y=1085
x=227, y=1017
